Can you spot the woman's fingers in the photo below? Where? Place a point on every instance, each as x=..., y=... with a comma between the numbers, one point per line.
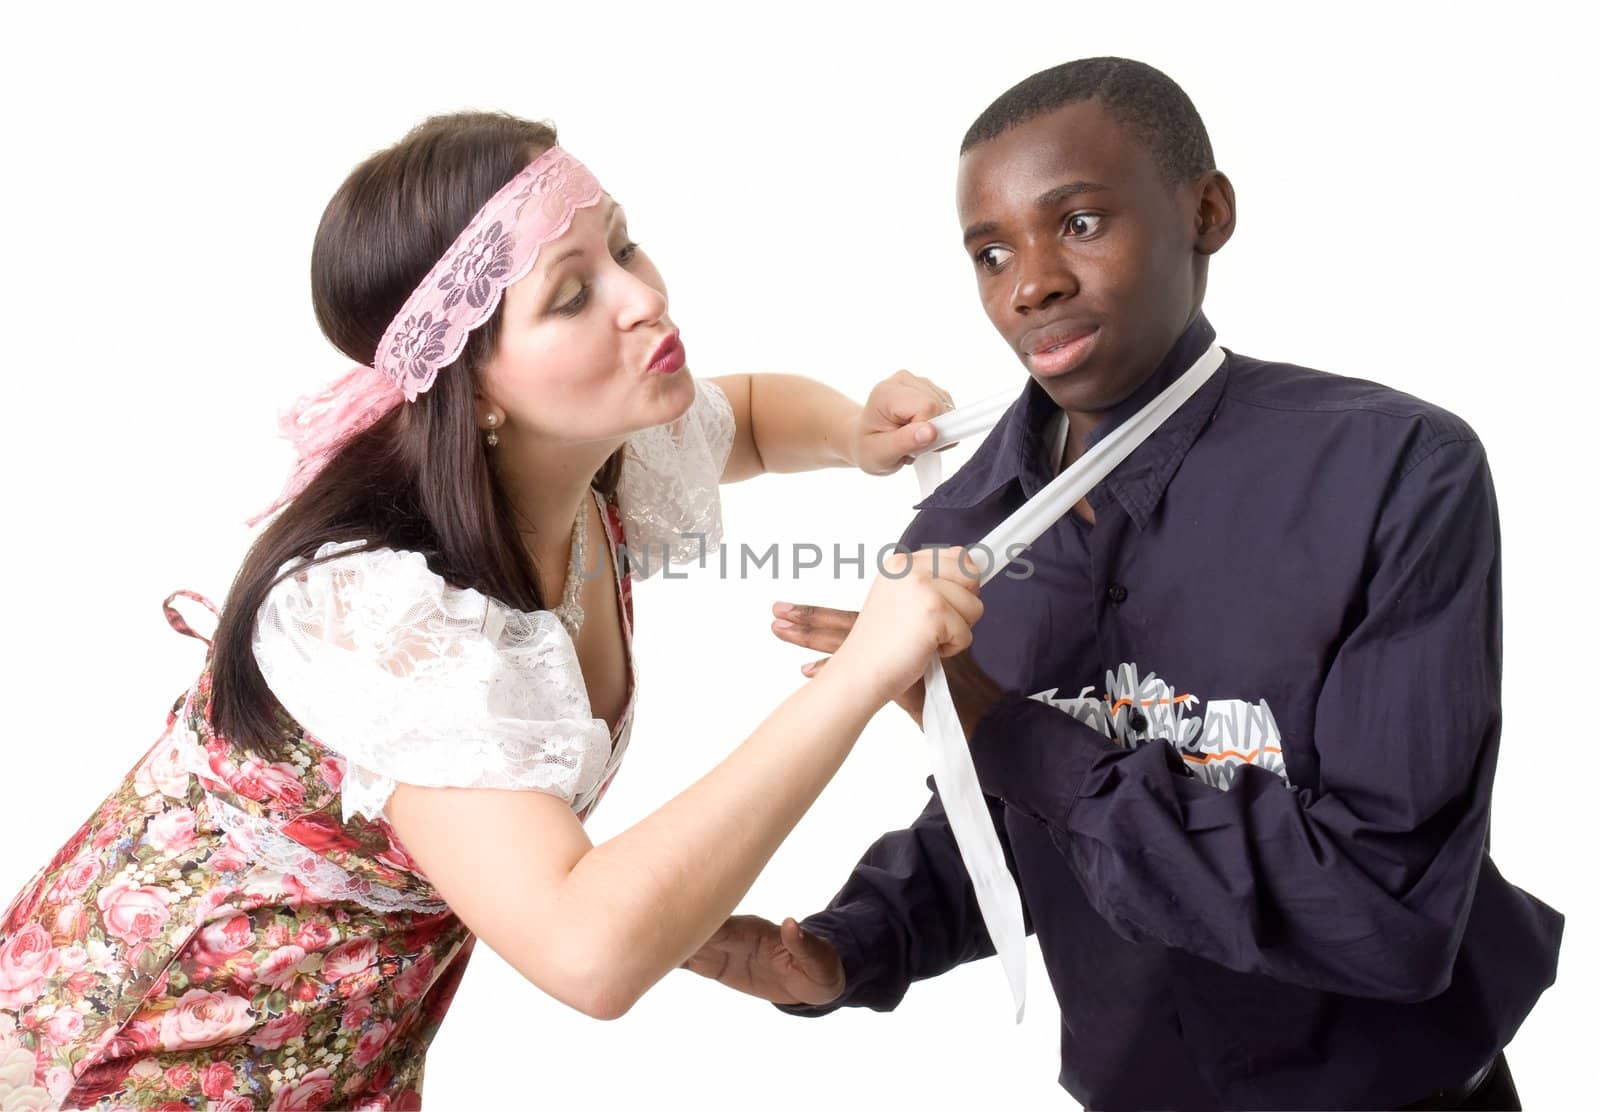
x=926, y=385
x=939, y=392
x=962, y=609
x=960, y=599
x=950, y=571
x=956, y=564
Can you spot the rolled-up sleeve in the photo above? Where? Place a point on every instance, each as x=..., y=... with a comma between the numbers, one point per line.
x=1361, y=883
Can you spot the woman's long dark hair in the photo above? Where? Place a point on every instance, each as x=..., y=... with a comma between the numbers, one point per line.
x=419, y=479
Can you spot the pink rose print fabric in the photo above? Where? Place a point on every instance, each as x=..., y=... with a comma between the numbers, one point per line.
x=161, y=959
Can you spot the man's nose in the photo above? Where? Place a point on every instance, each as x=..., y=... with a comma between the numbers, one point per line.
x=1043, y=278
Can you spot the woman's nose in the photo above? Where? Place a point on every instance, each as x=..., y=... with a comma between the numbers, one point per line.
x=642, y=302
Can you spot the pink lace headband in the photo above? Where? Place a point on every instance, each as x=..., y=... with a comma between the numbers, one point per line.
x=497, y=248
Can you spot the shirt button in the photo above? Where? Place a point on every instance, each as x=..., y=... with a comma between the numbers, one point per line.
x=1117, y=593
x=1138, y=722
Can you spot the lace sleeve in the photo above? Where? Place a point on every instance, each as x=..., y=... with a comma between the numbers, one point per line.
x=411, y=680
x=671, y=507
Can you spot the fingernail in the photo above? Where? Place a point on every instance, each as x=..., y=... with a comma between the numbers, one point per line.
x=783, y=608
x=925, y=434
x=781, y=624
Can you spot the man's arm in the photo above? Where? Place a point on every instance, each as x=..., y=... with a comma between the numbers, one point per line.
x=906, y=913
x=1359, y=884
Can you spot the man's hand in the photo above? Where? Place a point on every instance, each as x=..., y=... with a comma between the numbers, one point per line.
x=823, y=629
x=893, y=425
x=782, y=964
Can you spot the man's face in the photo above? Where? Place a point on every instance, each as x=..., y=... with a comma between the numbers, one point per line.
x=1086, y=258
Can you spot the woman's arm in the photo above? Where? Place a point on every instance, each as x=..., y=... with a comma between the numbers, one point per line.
x=595, y=926
x=786, y=423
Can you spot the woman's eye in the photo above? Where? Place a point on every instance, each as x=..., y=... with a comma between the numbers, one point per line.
x=626, y=252
x=990, y=258
x=574, y=304
x=1081, y=224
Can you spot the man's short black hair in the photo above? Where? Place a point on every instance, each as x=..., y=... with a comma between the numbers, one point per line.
x=1140, y=97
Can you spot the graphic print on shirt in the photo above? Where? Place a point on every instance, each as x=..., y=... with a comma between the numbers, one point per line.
x=1214, y=743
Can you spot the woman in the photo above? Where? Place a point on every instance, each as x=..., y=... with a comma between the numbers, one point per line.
x=421, y=683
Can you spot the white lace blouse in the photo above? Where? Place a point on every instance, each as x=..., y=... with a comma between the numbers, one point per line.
x=411, y=680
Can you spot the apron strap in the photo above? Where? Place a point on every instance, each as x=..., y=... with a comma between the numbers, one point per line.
x=176, y=620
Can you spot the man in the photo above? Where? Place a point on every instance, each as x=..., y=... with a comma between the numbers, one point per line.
x=1247, y=802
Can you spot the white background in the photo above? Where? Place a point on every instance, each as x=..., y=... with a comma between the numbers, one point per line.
x=1415, y=205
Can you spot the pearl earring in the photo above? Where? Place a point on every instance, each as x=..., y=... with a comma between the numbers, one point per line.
x=493, y=439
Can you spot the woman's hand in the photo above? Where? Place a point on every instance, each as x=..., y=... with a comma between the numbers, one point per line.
x=922, y=606
x=894, y=423
x=823, y=629
x=597, y=925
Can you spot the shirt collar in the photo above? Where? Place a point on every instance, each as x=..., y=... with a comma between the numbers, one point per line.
x=1014, y=451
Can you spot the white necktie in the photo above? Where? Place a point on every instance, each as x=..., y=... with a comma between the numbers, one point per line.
x=953, y=772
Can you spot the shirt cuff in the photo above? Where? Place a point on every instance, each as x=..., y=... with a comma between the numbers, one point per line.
x=1033, y=757
x=854, y=931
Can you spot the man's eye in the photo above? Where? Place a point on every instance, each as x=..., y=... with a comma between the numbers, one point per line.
x=991, y=258
x=1081, y=224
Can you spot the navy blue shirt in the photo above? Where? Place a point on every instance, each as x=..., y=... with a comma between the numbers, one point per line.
x=1244, y=784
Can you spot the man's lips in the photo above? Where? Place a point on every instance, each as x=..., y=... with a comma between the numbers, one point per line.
x=1058, y=348
x=668, y=357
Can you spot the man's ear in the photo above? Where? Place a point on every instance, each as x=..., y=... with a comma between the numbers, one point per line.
x=1214, y=212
